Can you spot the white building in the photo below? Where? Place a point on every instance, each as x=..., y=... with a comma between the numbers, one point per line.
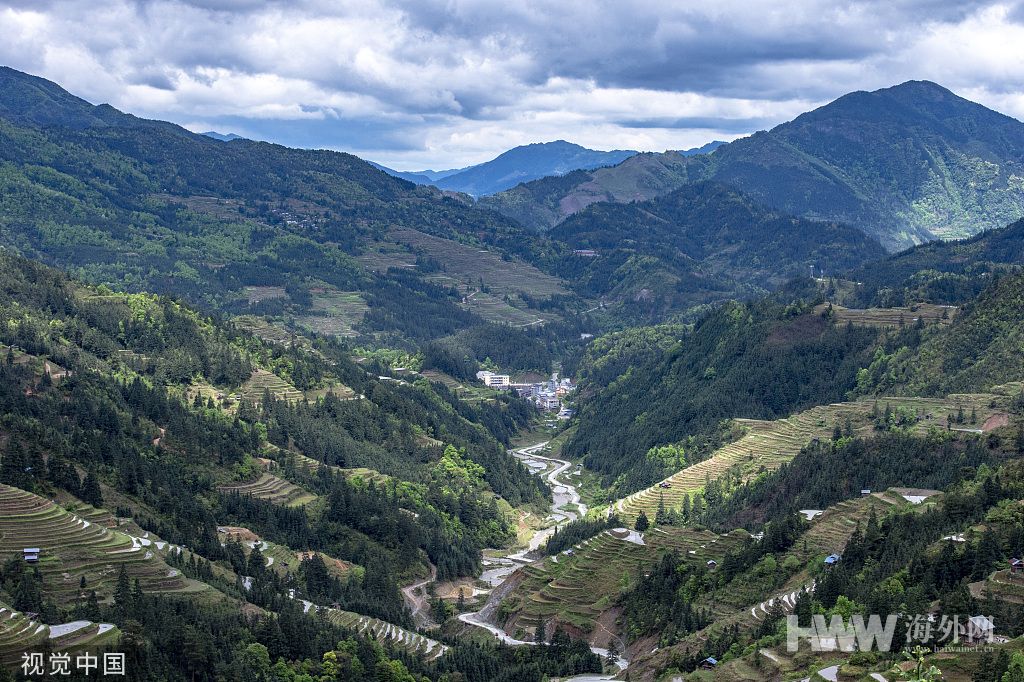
x=492, y=380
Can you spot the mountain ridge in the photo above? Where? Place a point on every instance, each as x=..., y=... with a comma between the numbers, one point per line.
x=516, y=165
x=906, y=164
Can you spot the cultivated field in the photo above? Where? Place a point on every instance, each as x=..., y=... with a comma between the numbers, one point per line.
x=383, y=631
x=891, y=317
x=271, y=488
x=472, y=265
x=578, y=589
x=769, y=444
x=73, y=547
x=20, y=633
x=334, y=312
x=262, y=380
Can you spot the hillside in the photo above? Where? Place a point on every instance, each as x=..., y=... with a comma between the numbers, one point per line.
x=171, y=499
x=665, y=410
x=542, y=204
x=906, y=164
x=700, y=244
x=938, y=272
x=237, y=227
x=979, y=350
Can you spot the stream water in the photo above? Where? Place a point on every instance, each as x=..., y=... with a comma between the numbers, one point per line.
x=566, y=506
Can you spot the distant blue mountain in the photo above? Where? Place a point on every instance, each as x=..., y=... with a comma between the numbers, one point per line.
x=515, y=166
x=529, y=162
x=222, y=137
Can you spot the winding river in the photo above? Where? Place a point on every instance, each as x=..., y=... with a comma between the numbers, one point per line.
x=566, y=506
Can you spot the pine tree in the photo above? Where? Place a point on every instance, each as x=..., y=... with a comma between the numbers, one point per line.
x=91, y=492
x=642, y=523
x=13, y=465
x=122, y=594
x=661, y=517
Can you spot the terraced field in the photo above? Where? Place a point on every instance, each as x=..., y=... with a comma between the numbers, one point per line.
x=19, y=633
x=73, y=547
x=1002, y=585
x=383, y=631
x=578, y=589
x=270, y=487
x=769, y=444
x=312, y=466
x=262, y=380
x=334, y=312
x=472, y=264
x=268, y=331
x=891, y=317
x=258, y=294
x=497, y=310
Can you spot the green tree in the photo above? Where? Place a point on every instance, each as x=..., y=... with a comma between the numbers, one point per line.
x=642, y=523
x=91, y=492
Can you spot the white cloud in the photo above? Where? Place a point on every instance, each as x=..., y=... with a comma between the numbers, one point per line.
x=450, y=82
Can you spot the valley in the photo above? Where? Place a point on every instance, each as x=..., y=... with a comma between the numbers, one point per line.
x=277, y=414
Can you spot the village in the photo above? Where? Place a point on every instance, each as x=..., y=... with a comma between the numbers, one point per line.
x=548, y=396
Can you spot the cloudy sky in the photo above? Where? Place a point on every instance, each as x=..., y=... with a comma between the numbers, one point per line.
x=425, y=84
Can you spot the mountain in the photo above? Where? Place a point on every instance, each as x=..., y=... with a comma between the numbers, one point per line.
x=699, y=244
x=948, y=273
x=703, y=149
x=523, y=164
x=906, y=164
x=421, y=178
x=192, y=478
x=758, y=360
x=979, y=350
x=245, y=227
x=221, y=136
x=541, y=204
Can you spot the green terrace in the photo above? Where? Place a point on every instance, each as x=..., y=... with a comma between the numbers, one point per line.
x=575, y=589
x=767, y=445
x=72, y=548
x=261, y=381
x=412, y=642
x=272, y=488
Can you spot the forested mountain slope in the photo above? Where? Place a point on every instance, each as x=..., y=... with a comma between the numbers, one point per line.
x=699, y=244
x=938, y=272
x=144, y=419
x=980, y=349
x=906, y=164
x=237, y=226
x=759, y=360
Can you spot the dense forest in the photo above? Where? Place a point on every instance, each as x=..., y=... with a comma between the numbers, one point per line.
x=760, y=360
x=979, y=350
x=700, y=244
x=103, y=400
